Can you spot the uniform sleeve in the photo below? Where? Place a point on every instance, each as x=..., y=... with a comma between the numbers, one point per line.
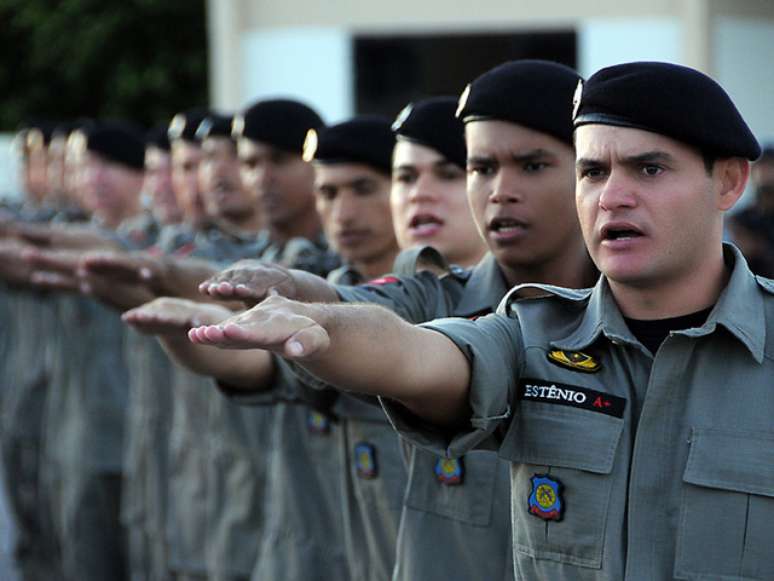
x=416, y=299
x=494, y=349
x=286, y=386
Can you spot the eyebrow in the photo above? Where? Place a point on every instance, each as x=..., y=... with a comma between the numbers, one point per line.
x=655, y=156
x=531, y=155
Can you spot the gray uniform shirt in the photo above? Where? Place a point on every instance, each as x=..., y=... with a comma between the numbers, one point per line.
x=470, y=516
x=662, y=465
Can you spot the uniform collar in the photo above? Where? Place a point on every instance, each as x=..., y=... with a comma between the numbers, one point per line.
x=484, y=289
x=739, y=309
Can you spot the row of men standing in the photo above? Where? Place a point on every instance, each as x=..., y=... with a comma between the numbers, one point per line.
x=123, y=465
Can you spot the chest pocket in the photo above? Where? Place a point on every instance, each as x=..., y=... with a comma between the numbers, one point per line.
x=727, y=514
x=572, y=447
x=472, y=501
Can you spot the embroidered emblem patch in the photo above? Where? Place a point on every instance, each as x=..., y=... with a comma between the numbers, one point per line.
x=576, y=99
x=310, y=145
x=550, y=392
x=575, y=360
x=318, y=423
x=545, y=499
x=449, y=471
x=365, y=461
x=463, y=101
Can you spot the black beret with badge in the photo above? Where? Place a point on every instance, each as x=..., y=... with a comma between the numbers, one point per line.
x=433, y=123
x=367, y=139
x=533, y=93
x=672, y=100
x=184, y=125
x=281, y=123
x=121, y=142
x=215, y=125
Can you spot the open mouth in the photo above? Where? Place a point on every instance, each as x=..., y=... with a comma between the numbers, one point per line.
x=425, y=224
x=620, y=232
x=506, y=226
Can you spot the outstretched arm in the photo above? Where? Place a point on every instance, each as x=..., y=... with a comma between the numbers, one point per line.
x=361, y=348
x=164, y=276
x=170, y=319
x=251, y=281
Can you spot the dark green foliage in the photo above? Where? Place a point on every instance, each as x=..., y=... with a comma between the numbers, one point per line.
x=140, y=59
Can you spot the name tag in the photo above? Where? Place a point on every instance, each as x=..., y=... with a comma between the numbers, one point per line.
x=575, y=396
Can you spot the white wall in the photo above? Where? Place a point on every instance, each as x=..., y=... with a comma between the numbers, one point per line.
x=743, y=57
x=10, y=185
x=310, y=64
x=605, y=42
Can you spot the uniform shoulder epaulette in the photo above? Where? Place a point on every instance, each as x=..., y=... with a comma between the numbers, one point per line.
x=534, y=291
x=766, y=284
x=421, y=258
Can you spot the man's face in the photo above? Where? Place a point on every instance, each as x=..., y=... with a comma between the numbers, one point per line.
x=353, y=201
x=219, y=181
x=646, y=205
x=158, y=185
x=281, y=182
x=186, y=157
x=429, y=205
x=111, y=190
x=55, y=173
x=520, y=187
x=35, y=173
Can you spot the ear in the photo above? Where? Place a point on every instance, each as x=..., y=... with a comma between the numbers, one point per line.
x=730, y=177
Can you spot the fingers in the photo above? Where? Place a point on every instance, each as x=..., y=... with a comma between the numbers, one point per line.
x=54, y=281
x=153, y=322
x=309, y=341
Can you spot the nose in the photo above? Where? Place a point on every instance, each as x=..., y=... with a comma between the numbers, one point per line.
x=505, y=188
x=344, y=211
x=425, y=190
x=617, y=192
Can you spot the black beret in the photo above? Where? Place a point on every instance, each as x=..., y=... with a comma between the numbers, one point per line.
x=117, y=141
x=532, y=93
x=214, y=125
x=184, y=125
x=673, y=100
x=432, y=122
x=282, y=123
x=158, y=137
x=365, y=139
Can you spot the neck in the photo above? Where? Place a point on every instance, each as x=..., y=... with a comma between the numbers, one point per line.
x=570, y=270
x=246, y=223
x=694, y=290
x=377, y=267
x=305, y=226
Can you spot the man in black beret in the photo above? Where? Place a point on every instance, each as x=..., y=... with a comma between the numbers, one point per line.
x=270, y=139
x=636, y=416
x=227, y=201
x=186, y=155
x=113, y=172
x=428, y=200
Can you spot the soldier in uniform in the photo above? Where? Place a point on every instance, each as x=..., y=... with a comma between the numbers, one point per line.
x=26, y=376
x=636, y=416
x=520, y=187
x=87, y=399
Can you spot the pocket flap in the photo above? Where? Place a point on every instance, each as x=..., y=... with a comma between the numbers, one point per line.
x=740, y=461
x=552, y=435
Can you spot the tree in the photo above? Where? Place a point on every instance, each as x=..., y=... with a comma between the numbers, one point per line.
x=139, y=59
